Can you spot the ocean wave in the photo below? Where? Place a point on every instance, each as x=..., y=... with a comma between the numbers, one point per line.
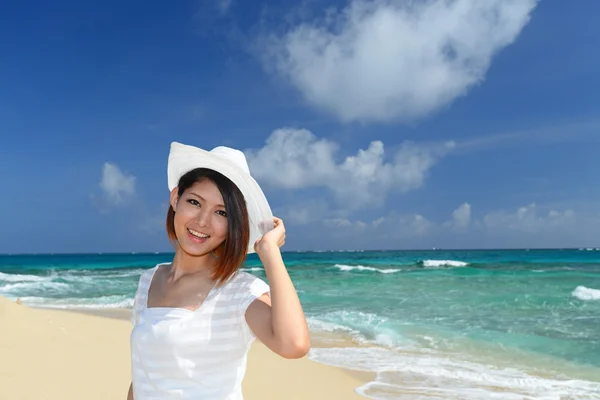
x=20, y=277
x=35, y=286
x=410, y=375
x=117, y=301
x=108, y=274
x=71, y=275
x=315, y=324
x=584, y=293
x=93, y=275
x=347, y=268
x=253, y=269
x=68, y=283
x=361, y=327
x=443, y=263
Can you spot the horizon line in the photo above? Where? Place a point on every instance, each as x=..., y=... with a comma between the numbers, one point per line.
x=586, y=248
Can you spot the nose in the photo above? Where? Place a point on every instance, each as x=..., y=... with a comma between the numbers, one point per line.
x=203, y=218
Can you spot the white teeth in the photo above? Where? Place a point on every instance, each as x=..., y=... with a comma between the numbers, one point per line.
x=198, y=234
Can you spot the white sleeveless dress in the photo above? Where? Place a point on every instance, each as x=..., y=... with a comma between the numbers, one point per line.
x=200, y=355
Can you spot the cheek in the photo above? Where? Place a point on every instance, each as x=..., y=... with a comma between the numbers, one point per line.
x=180, y=221
x=220, y=226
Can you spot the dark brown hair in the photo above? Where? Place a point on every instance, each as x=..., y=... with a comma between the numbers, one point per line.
x=232, y=252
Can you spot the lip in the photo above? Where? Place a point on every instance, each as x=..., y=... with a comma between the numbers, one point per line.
x=196, y=239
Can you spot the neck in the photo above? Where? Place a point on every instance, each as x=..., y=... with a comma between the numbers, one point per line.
x=185, y=264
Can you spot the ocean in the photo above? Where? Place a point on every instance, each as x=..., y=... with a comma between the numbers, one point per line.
x=437, y=324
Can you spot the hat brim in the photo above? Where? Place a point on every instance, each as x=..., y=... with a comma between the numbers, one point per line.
x=183, y=159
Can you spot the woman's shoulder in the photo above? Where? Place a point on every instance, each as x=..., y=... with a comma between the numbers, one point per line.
x=150, y=272
x=242, y=278
x=243, y=284
x=244, y=288
x=146, y=276
x=141, y=293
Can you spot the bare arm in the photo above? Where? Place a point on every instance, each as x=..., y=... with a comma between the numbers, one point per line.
x=130, y=393
x=278, y=321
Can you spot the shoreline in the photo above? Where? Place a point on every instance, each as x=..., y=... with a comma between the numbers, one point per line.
x=327, y=347
x=73, y=353
x=325, y=373
x=316, y=340
x=447, y=326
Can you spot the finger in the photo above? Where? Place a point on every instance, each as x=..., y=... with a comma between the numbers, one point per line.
x=280, y=225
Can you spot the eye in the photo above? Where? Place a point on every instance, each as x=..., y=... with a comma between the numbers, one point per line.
x=222, y=213
x=193, y=202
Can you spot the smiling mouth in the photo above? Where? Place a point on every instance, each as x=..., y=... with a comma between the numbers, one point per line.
x=197, y=234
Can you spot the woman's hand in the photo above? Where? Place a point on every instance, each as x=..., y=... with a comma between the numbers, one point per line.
x=275, y=238
x=277, y=318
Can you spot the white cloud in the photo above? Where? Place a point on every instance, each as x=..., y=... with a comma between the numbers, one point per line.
x=461, y=217
x=529, y=219
x=342, y=223
x=116, y=186
x=296, y=159
x=420, y=224
x=527, y=226
x=391, y=59
x=312, y=211
x=396, y=224
x=224, y=5
x=394, y=230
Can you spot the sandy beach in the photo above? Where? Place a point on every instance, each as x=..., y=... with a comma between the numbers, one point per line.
x=52, y=354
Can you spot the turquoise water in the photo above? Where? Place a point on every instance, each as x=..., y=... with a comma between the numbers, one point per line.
x=433, y=324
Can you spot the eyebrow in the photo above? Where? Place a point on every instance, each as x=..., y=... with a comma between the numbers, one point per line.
x=203, y=199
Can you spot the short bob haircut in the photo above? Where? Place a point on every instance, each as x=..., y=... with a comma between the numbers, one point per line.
x=232, y=252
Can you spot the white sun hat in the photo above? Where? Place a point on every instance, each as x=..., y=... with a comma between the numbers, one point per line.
x=232, y=164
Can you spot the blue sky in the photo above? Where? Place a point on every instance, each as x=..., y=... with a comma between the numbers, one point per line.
x=369, y=124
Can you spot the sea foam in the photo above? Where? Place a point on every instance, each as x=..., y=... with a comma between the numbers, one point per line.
x=413, y=375
x=20, y=277
x=362, y=327
x=116, y=301
x=443, y=263
x=584, y=293
x=347, y=268
x=35, y=286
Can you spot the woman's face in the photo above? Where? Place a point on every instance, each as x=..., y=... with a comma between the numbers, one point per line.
x=200, y=218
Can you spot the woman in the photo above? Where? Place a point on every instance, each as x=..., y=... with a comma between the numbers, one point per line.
x=195, y=317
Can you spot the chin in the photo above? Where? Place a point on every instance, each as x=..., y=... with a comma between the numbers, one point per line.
x=196, y=250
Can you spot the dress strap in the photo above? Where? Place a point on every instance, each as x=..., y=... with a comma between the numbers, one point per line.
x=140, y=301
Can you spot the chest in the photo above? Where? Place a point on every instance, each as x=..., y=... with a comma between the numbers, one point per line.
x=188, y=294
x=213, y=332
